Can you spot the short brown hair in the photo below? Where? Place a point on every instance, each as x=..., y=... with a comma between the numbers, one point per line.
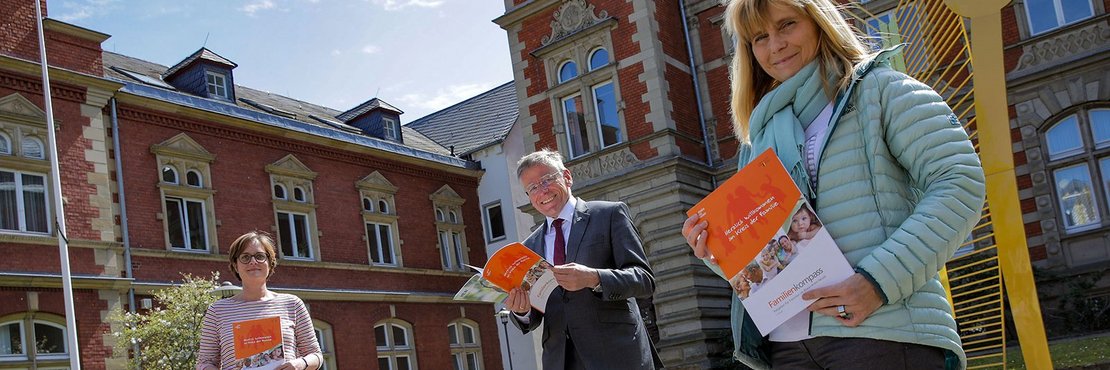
x=243, y=241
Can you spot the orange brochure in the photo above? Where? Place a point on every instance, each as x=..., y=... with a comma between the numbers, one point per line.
x=512, y=266
x=747, y=210
x=258, y=343
x=769, y=244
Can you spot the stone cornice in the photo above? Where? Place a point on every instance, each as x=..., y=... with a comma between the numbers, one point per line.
x=34, y=71
x=161, y=253
x=50, y=281
x=11, y=238
x=54, y=25
x=155, y=112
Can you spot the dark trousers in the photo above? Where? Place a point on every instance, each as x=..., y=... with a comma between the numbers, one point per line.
x=854, y=353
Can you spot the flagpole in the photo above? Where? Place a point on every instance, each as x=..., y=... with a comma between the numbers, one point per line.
x=59, y=209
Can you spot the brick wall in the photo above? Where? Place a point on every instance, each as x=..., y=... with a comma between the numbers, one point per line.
x=353, y=323
x=19, y=38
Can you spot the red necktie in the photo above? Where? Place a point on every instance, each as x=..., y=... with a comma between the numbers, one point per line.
x=560, y=243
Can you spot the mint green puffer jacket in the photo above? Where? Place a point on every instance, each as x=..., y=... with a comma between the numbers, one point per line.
x=899, y=188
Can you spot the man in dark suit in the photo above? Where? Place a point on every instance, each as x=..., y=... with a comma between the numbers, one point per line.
x=591, y=320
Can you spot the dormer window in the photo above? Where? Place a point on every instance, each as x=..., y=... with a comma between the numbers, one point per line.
x=217, y=85
x=389, y=129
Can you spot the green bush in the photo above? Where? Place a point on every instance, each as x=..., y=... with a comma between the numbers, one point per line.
x=168, y=334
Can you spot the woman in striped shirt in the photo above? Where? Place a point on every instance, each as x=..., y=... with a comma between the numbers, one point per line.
x=252, y=259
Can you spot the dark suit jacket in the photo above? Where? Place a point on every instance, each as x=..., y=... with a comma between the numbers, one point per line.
x=605, y=328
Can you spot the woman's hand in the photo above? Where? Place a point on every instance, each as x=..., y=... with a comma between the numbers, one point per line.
x=695, y=235
x=856, y=294
x=518, y=302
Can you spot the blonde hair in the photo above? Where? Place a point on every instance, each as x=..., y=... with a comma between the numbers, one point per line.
x=839, y=49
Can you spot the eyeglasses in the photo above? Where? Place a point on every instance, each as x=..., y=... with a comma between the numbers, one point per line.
x=259, y=257
x=544, y=182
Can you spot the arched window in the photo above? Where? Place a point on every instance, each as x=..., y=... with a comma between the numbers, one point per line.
x=599, y=58
x=192, y=178
x=326, y=342
x=367, y=204
x=395, y=348
x=279, y=191
x=49, y=338
x=567, y=71
x=33, y=148
x=298, y=194
x=383, y=207
x=169, y=175
x=454, y=217
x=465, y=343
x=1080, y=167
x=439, y=215
x=5, y=144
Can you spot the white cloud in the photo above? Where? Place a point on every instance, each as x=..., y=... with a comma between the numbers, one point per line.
x=444, y=97
x=336, y=52
x=256, y=6
x=73, y=11
x=392, y=5
x=370, y=49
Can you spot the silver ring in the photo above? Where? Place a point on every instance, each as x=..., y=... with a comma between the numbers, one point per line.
x=840, y=312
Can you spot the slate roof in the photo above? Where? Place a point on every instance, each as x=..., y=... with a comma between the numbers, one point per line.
x=203, y=53
x=144, y=78
x=473, y=123
x=366, y=107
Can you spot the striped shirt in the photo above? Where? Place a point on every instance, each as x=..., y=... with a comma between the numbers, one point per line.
x=217, y=346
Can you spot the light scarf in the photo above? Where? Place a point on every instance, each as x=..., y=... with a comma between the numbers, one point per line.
x=778, y=122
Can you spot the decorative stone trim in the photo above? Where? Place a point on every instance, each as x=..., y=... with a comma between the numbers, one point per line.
x=572, y=16
x=1064, y=45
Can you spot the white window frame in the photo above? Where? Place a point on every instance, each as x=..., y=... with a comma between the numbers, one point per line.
x=488, y=222
x=389, y=128
x=307, y=235
x=559, y=71
x=390, y=349
x=383, y=250
x=1058, y=7
x=597, y=115
x=216, y=84
x=587, y=148
x=26, y=326
x=21, y=203
x=1087, y=155
x=200, y=178
x=326, y=341
x=590, y=58
x=461, y=350
x=185, y=225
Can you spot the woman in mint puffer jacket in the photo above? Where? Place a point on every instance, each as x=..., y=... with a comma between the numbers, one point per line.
x=889, y=169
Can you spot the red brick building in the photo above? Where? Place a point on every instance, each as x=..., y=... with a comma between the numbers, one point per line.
x=635, y=94
x=374, y=220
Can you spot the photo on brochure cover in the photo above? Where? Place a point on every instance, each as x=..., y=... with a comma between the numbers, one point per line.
x=779, y=252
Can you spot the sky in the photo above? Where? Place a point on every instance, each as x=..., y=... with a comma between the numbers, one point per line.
x=417, y=55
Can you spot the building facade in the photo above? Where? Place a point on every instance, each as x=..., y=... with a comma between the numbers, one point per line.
x=374, y=221
x=635, y=94
x=1057, y=63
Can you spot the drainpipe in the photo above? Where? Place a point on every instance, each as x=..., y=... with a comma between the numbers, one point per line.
x=697, y=86
x=123, y=219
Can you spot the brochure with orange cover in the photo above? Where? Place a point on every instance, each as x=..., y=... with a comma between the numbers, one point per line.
x=768, y=242
x=258, y=343
x=513, y=265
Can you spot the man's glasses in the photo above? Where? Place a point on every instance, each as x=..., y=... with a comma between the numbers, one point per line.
x=544, y=182
x=259, y=257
